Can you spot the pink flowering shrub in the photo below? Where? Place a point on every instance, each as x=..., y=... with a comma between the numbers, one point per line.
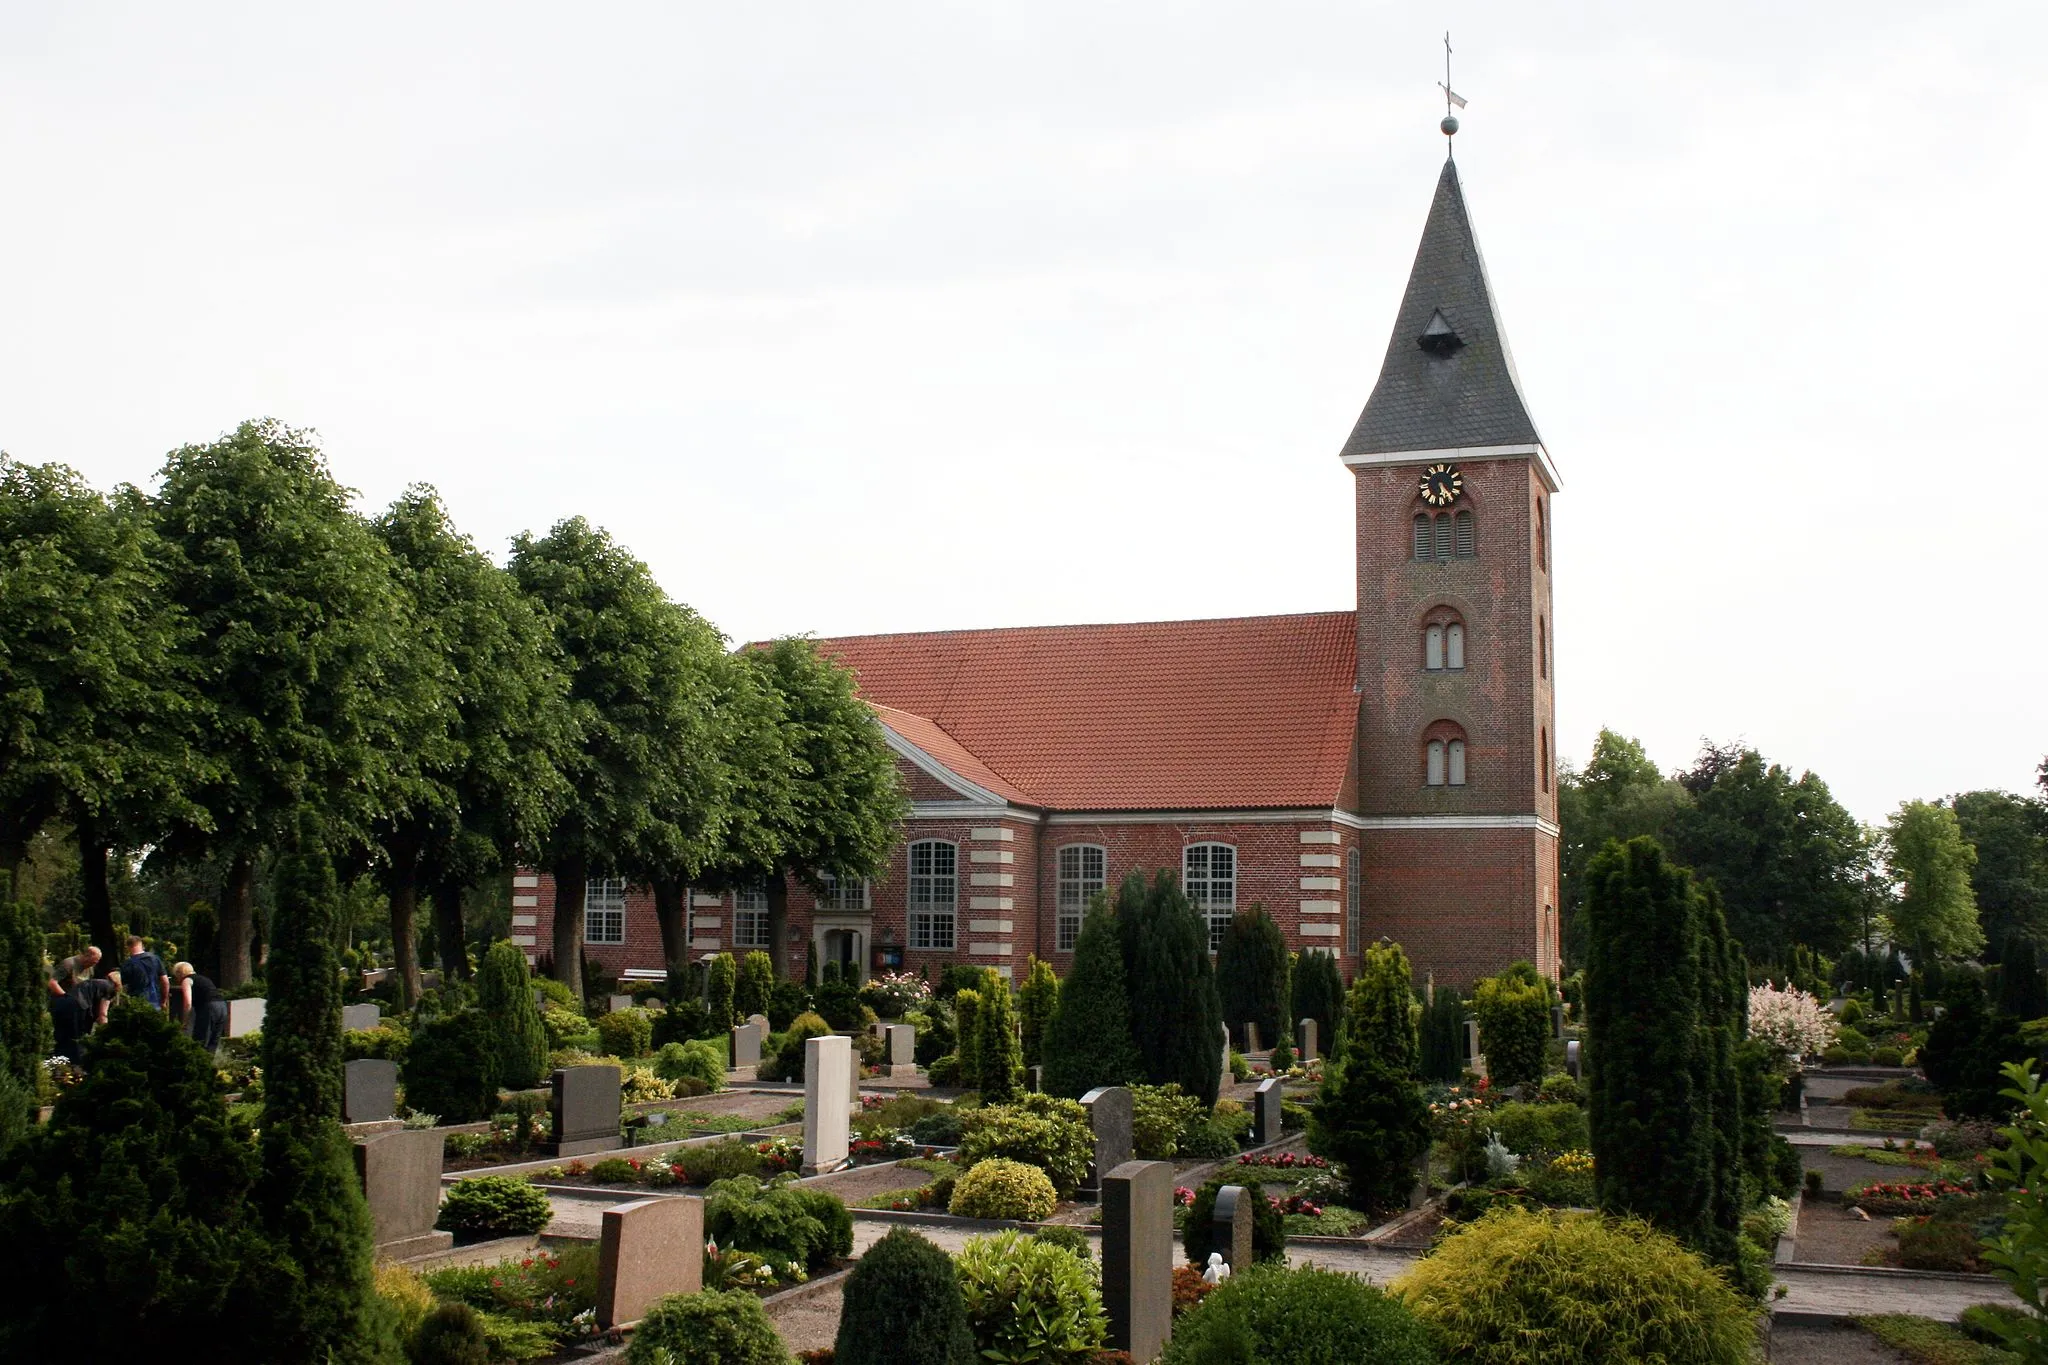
x=1790, y=1020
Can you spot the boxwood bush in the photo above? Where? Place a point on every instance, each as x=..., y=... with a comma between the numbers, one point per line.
x=778, y=1221
x=702, y=1060
x=451, y=1068
x=1051, y=1134
x=1278, y=1316
x=997, y=1188
x=1541, y=1288
x=1527, y=1129
x=627, y=1033
x=713, y=1328
x=494, y=1206
x=903, y=1307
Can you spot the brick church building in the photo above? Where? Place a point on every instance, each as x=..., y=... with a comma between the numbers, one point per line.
x=1383, y=772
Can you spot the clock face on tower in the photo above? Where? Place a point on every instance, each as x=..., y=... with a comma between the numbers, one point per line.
x=1441, y=484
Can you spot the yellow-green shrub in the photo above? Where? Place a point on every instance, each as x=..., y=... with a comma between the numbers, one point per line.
x=997, y=1188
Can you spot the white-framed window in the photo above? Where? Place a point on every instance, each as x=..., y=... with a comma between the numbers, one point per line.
x=843, y=893
x=604, y=910
x=1352, y=898
x=1443, y=645
x=1454, y=645
x=934, y=893
x=750, y=917
x=1083, y=872
x=1434, y=771
x=1443, y=762
x=1457, y=757
x=1433, y=648
x=1209, y=874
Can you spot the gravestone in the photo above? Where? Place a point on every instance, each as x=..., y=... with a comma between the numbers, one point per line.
x=746, y=1047
x=619, y=1002
x=1034, y=1078
x=1308, y=1041
x=853, y=1080
x=1231, y=1227
x=647, y=1250
x=584, y=1105
x=361, y=1016
x=1557, y=1021
x=1266, y=1117
x=401, y=1175
x=1251, y=1037
x=1224, y=1082
x=1571, y=1058
x=899, y=1051
x=1137, y=1254
x=246, y=1016
x=1109, y=1118
x=760, y=1021
x=828, y=1062
x=1472, y=1043
x=369, y=1090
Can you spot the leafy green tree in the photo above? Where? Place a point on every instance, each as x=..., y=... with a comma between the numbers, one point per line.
x=1937, y=911
x=815, y=787
x=2010, y=834
x=1037, y=1003
x=312, y=1201
x=1651, y=1118
x=1318, y=994
x=504, y=993
x=1371, y=1115
x=640, y=709
x=1088, y=1043
x=721, y=983
x=1619, y=794
x=756, y=984
x=297, y=634
x=1251, y=976
x=95, y=720
x=1176, y=1020
x=488, y=726
x=998, y=1067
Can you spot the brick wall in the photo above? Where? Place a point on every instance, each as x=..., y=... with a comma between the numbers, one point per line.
x=1463, y=903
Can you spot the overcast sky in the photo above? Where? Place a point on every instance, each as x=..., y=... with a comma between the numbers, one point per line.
x=895, y=317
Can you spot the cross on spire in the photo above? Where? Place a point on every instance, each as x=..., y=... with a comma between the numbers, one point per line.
x=1451, y=97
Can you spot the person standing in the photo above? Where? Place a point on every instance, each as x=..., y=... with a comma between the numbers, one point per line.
x=143, y=975
x=206, y=1012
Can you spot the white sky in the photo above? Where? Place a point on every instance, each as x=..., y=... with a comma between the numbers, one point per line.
x=856, y=318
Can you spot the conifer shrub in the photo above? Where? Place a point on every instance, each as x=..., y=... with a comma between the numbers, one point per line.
x=999, y=1188
x=716, y=1327
x=451, y=1068
x=1524, y=1287
x=626, y=1033
x=1037, y=1002
x=1206, y=1140
x=451, y=1334
x=755, y=986
x=1318, y=994
x=1277, y=1316
x=1269, y=1225
x=1527, y=1129
x=1442, y=1037
x=1371, y=1115
x=701, y=1059
x=789, y=1060
x=493, y=1206
x=504, y=993
x=779, y=1221
x=903, y=1307
x=555, y=994
x=967, y=1026
x=26, y=1033
x=998, y=1065
x=1176, y=1020
x=1088, y=1042
x=1514, y=1025
x=1039, y=1130
x=1251, y=977
x=1029, y=1300
x=721, y=989
x=1159, y=1113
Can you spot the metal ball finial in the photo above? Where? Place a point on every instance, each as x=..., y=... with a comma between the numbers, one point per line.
x=1449, y=125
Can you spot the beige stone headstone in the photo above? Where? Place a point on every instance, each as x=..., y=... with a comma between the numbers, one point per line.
x=646, y=1251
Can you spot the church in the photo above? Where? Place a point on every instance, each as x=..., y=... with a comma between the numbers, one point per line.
x=1385, y=772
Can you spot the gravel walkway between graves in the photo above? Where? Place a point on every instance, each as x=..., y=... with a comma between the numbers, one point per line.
x=1830, y=1343
x=1831, y=1235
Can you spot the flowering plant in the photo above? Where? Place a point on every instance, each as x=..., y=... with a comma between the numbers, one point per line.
x=1183, y=1196
x=1283, y=1161
x=892, y=994
x=1790, y=1020
x=781, y=1154
x=1295, y=1203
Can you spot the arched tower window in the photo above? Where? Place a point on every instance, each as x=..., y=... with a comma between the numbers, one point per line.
x=1466, y=547
x=1443, y=640
x=1543, y=758
x=1445, y=536
x=1443, y=755
x=1425, y=542
x=1542, y=648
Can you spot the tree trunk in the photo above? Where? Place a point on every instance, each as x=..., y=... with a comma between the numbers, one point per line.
x=448, y=931
x=404, y=883
x=92, y=885
x=778, y=924
x=672, y=913
x=237, y=910
x=571, y=877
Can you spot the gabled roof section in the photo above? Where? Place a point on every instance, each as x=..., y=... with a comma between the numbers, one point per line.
x=1448, y=381
x=933, y=744
x=1238, y=714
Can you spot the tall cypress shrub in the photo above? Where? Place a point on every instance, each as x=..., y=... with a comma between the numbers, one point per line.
x=1037, y=1003
x=1176, y=1020
x=26, y=1034
x=1319, y=995
x=756, y=984
x=504, y=992
x=998, y=1067
x=1251, y=976
x=1652, y=1128
x=1089, y=1041
x=1443, y=1037
x=1514, y=1027
x=1371, y=1115
x=1723, y=983
x=312, y=1203
x=721, y=985
x=967, y=1045
x=2020, y=990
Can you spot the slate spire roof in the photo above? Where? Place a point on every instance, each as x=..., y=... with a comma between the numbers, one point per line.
x=1448, y=380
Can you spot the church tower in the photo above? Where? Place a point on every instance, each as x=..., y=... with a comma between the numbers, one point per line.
x=1457, y=733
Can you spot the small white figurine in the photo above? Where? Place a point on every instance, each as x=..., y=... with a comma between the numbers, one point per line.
x=1218, y=1271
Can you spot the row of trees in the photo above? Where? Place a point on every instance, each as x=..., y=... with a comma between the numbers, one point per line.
x=1944, y=879
x=198, y=671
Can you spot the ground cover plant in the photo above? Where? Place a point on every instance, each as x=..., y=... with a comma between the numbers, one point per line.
x=549, y=1293
x=1305, y=1316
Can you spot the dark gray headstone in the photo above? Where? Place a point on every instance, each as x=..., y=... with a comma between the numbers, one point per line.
x=1232, y=1227
x=401, y=1175
x=1034, y=1077
x=746, y=1046
x=369, y=1090
x=1557, y=1021
x=1308, y=1041
x=361, y=1016
x=1137, y=1256
x=1109, y=1118
x=1266, y=1119
x=585, y=1108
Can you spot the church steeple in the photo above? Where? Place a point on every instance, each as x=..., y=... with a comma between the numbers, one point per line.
x=1448, y=382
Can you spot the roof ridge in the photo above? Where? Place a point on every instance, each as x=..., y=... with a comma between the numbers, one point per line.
x=1093, y=625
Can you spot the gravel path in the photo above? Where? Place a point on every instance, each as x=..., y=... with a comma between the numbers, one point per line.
x=1830, y=1343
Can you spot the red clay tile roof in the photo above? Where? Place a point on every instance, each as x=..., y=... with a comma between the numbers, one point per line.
x=1242, y=713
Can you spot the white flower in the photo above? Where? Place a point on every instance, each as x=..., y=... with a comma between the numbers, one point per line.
x=1790, y=1020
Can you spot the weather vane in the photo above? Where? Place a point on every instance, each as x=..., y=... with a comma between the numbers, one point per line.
x=1451, y=97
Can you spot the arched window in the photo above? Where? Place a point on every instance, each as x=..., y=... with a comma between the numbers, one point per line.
x=1083, y=873
x=1209, y=876
x=1352, y=892
x=934, y=893
x=1433, y=648
x=1423, y=542
x=1443, y=640
x=1542, y=648
x=1543, y=758
x=1443, y=755
x=1466, y=548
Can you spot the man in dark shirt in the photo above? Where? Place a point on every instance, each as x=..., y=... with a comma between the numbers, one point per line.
x=76, y=1012
x=143, y=976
